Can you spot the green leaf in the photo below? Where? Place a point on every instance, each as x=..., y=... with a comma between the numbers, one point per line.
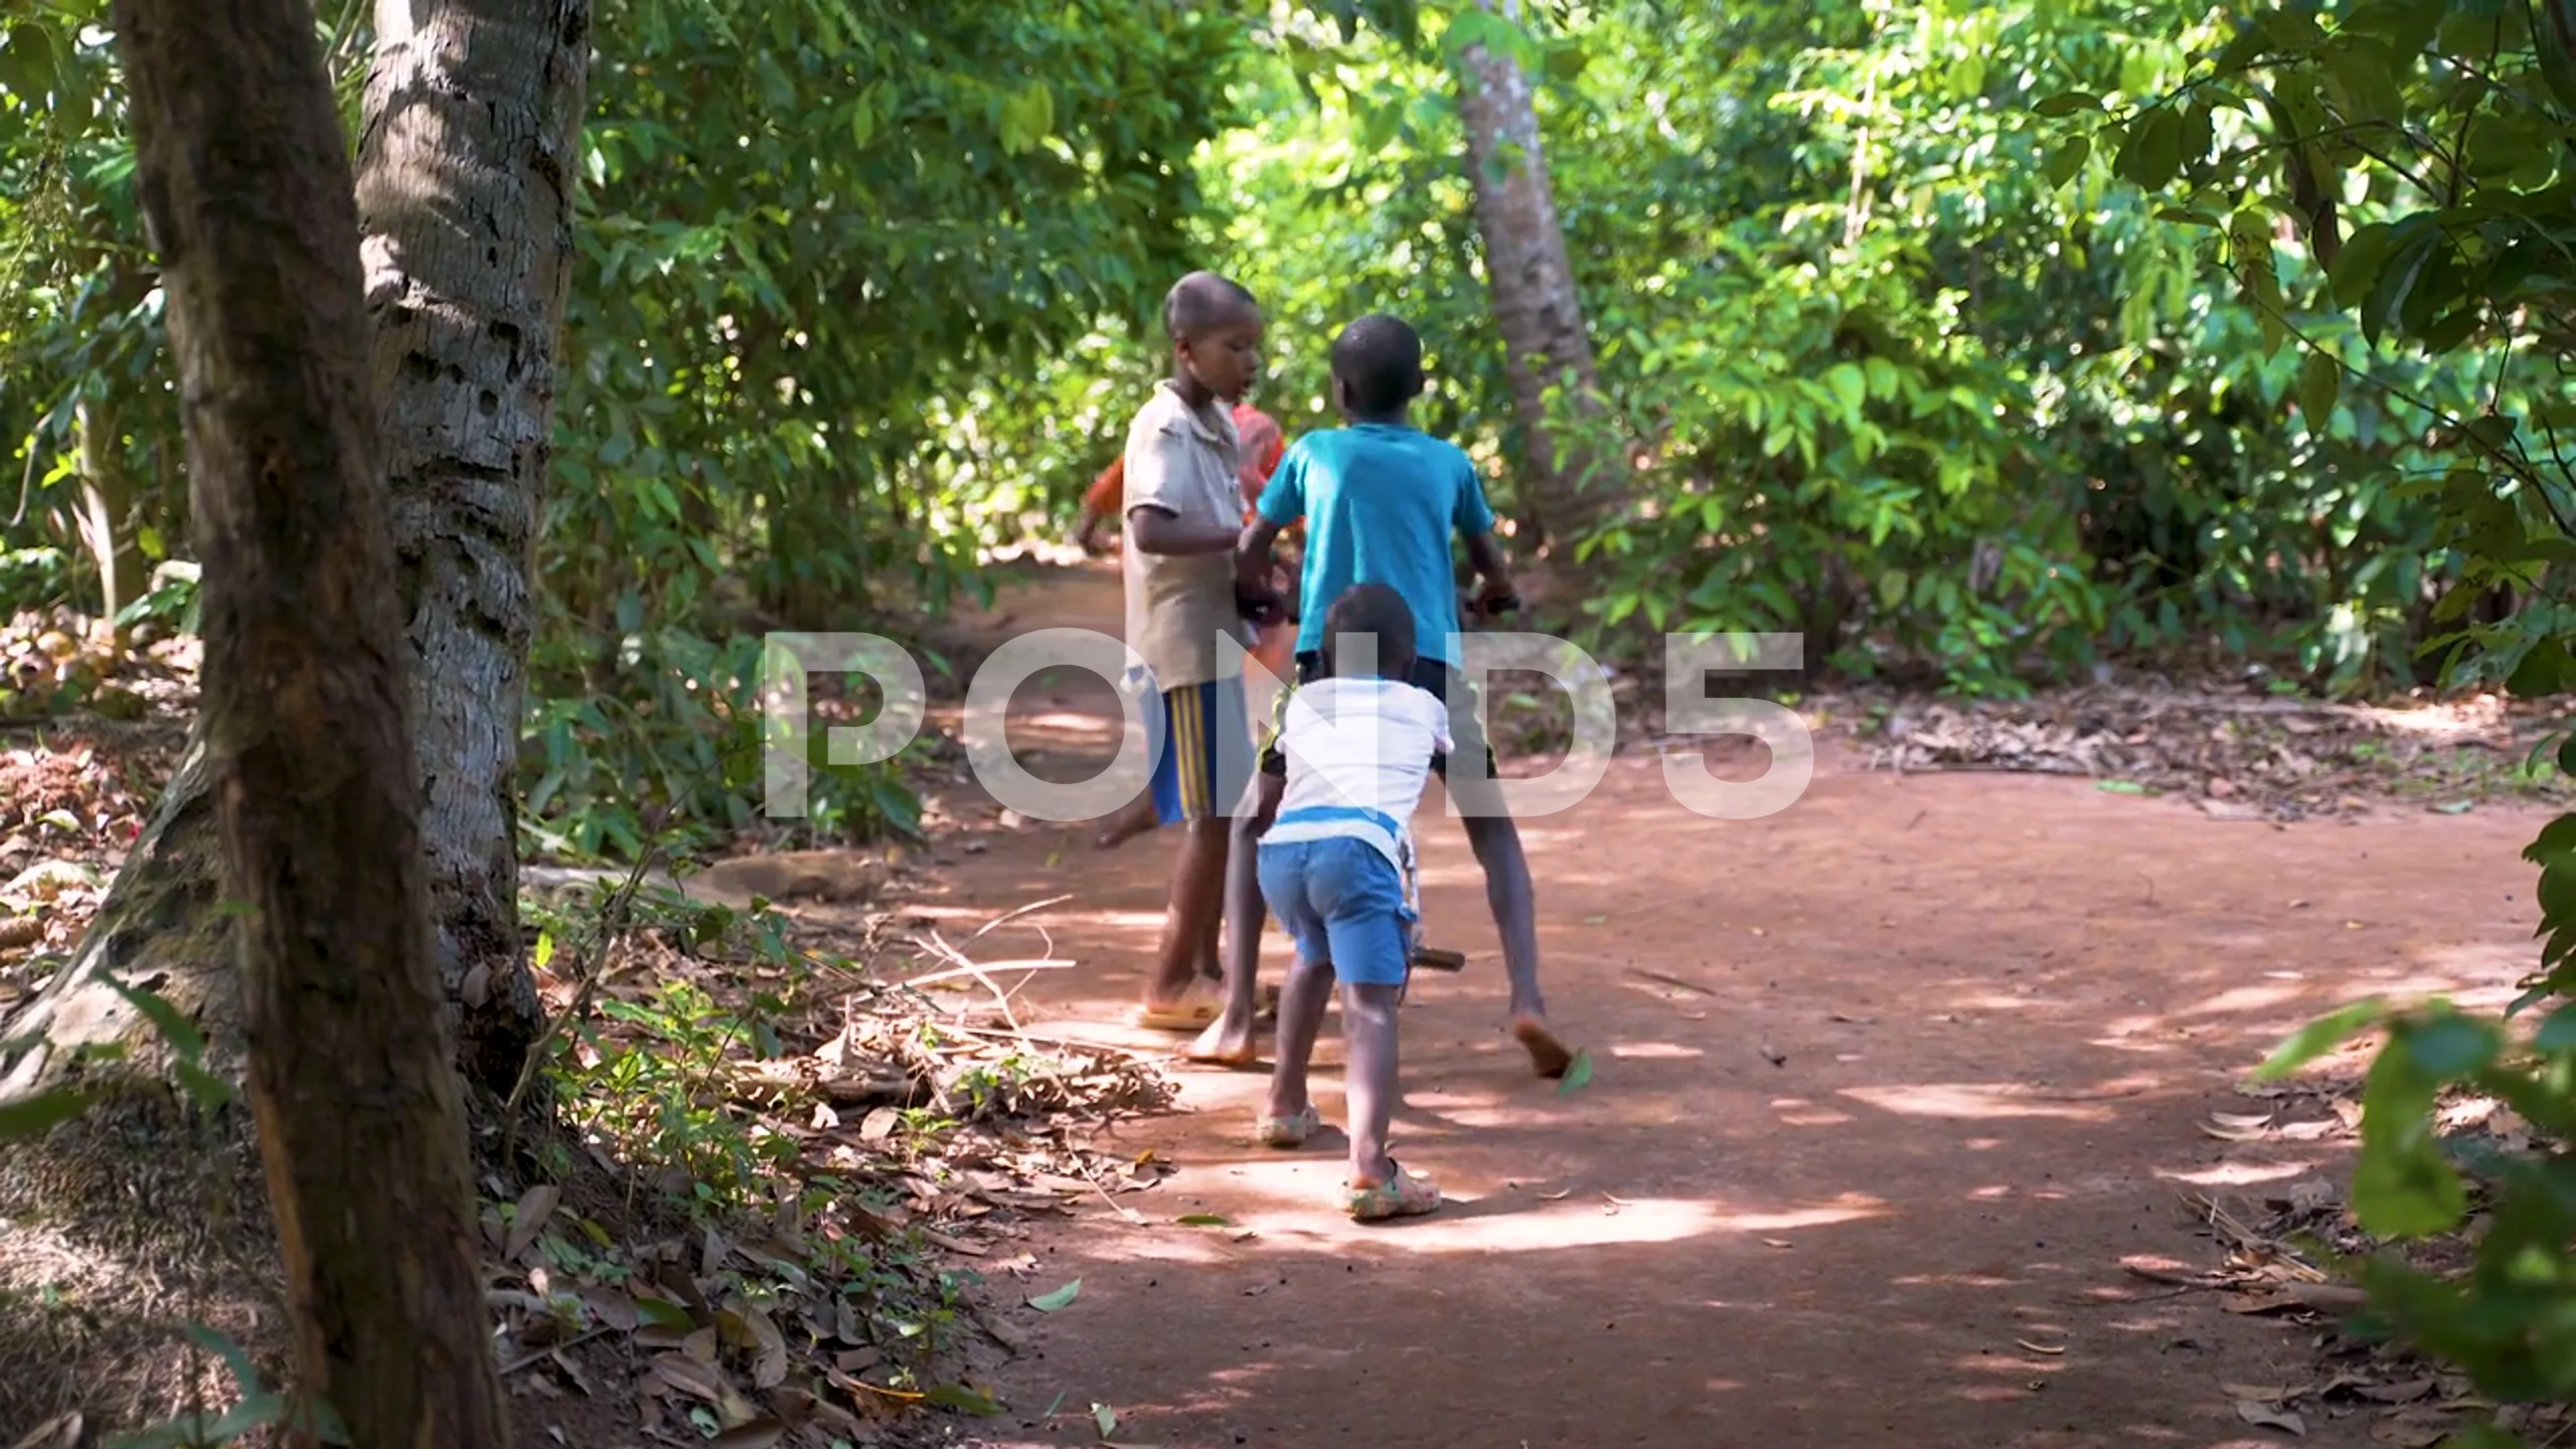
x=173, y=1023
x=2068, y=159
x=2320, y=382
x=2411, y=249
x=1850, y=387
x=964, y=1400
x=2402, y=1186
x=1059, y=1299
x=236, y=1358
x=2558, y=1032
x=2358, y=264
x=2154, y=150
x=2450, y=1045
x=664, y=1314
x=2120, y=787
x=2320, y=1037
x=1578, y=1073
x=1566, y=62
x=2197, y=135
x=1200, y=1220
x=210, y=1090
x=2067, y=103
x=34, y=1116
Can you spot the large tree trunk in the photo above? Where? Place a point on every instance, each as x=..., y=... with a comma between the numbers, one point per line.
x=1535, y=305
x=472, y=111
x=247, y=190
x=466, y=170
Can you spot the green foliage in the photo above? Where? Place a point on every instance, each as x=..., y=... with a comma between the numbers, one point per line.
x=2387, y=186
x=1892, y=364
x=653, y=1075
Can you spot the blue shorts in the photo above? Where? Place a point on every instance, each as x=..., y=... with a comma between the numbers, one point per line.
x=1342, y=902
x=1202, y=751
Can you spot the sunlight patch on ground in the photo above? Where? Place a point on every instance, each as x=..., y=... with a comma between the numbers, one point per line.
x=2242, y=1000
x=2238, y=1174
x=1998, y=1001
x=1654, y=1051
x=1797, y=1112
x=1972, y=1101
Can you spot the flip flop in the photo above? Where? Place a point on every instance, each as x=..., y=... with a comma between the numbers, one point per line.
x=1288, y=1131
x=1402, y=1195
x=1191, y=1016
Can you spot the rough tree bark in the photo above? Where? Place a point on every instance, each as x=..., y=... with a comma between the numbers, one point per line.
x=1532, y=281
x=466, y=169
x=464, y=189
x=247, y=190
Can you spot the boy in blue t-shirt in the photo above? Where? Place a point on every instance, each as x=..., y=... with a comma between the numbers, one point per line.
x=1380, y=499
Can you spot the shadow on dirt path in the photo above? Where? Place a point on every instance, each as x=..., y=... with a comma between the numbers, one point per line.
x=1998, y=1007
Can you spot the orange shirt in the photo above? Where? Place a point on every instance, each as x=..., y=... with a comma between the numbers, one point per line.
x=1265, y=445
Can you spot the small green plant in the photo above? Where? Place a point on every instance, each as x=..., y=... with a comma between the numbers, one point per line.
x=260, y=1408
x=680, y=739
x=2509, y=1321
x=656, y=1074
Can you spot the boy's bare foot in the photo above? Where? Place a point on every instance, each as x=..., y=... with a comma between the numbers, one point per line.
x=1225, y=1044
x=1547, y=1055
x=1125, y=826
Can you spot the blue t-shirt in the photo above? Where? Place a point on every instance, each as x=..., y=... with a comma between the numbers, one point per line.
x=1380, y=501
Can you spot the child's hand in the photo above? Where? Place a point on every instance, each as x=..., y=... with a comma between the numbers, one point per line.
x=1262, y=607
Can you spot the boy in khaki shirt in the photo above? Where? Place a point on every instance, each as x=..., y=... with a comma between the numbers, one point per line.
x=1184, y=515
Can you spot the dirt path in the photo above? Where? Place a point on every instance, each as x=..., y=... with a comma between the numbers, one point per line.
x=1999, y=1006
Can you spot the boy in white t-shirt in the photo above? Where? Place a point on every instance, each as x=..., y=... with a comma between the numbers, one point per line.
x=1335, y=870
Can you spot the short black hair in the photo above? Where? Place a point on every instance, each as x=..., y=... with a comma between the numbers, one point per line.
x=1377, y=610
x=1202, y=302
x=1379, y=358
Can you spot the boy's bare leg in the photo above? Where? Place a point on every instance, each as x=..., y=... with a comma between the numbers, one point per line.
x=1497, y=843
x=1228, y=1040
x=1198, y=887
x=1138, y=817
x=1301, y=1020
x=1368, y=1079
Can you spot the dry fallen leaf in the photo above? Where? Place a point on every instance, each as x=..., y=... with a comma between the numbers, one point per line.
x=2259, y=1393
x=758, y=1434
x=2039, y=1348
x=2412, y=1430
x=689, y=1376
x=2405, y=1393
x=2264, y=1417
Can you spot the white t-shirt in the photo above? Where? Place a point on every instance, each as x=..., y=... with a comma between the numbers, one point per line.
x=1359, y=752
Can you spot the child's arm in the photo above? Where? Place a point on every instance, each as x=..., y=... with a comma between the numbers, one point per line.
x=1100, y=505
x=1283, y=501
x=1495, y=593
x=1156, y=529
x=1252, y=555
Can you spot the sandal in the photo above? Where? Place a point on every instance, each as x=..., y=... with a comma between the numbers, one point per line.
x=1402, y=1195
x=1288, y=1131
x=1186, y=1016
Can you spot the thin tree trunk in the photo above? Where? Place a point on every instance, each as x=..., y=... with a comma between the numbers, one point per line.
x=107, y=507
x=248, y=193
x=466, y=170
x=1536, y=309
